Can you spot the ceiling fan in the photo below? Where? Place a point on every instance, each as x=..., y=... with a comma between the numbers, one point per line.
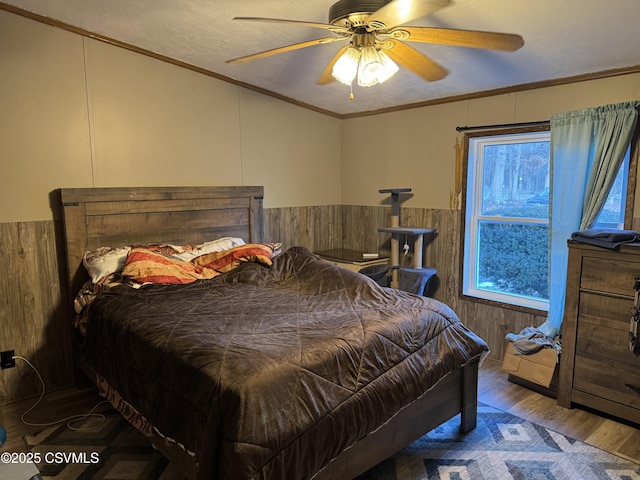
x=377, y=35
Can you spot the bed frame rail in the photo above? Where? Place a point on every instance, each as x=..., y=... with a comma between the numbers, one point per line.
x=456, y=393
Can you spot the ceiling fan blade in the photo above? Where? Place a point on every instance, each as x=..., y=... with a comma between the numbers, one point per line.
x=286, y=48
x=398, y=12
x=327, y=74
x=324, y=26
x=415, y=61
x=463, y=38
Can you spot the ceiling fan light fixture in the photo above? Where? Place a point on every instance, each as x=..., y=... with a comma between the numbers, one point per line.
x=346, y=68
x=369, y=67
x=389, y=67
x=375, y=67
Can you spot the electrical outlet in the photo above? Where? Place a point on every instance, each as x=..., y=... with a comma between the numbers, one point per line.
x=7, y=360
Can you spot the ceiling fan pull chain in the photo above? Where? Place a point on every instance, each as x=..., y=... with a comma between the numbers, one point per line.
x=351, y=97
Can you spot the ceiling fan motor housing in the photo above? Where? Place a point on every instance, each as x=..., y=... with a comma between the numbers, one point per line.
x=353, y=13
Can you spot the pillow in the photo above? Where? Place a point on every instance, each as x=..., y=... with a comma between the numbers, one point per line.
x=148, y=266
x=104, y=261
x=189, y=252
x=230, y=259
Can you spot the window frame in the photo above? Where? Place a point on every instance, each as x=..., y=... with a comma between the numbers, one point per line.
x=498, y=131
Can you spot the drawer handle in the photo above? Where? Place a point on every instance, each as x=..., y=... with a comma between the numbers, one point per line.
x=633, y=388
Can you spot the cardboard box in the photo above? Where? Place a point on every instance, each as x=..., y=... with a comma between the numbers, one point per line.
x=540, y=368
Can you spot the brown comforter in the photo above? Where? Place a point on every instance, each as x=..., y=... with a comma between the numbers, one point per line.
x=269, y=373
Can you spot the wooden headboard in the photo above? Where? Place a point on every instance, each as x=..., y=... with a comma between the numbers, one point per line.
x=113, y=217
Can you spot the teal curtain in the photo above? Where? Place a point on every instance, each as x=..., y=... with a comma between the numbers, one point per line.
x=587, y=149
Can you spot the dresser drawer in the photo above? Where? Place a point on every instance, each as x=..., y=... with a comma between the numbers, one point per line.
x=607, y=343
x=608, y=379
x=612, y=312
x=609, y=275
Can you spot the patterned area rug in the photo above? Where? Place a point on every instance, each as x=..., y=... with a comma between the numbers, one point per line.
x=501, y=447
x=113, y=450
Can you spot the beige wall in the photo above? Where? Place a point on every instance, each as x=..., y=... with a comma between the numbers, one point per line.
x=415, y=148
x=44, y=134
x=153, y=124
x=82, y=113
x=293, y=152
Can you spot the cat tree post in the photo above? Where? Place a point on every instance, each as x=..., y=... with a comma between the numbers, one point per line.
x=395, y=223
x=395, y=230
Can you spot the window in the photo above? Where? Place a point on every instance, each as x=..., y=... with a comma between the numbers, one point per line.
x=507, y=219
x=506, y=236
x=613, y=211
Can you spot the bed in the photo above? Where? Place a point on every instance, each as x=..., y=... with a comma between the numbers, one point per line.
x=281, y=367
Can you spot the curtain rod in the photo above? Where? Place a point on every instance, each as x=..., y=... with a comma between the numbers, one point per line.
x=504, y=125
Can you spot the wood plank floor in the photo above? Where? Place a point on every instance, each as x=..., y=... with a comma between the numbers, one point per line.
x=54, y=406
x=608, y=434
x=494, y=389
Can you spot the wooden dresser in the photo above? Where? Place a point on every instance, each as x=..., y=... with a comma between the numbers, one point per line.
x=597, y=369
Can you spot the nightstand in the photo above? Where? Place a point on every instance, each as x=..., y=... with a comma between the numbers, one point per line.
x=353, y=260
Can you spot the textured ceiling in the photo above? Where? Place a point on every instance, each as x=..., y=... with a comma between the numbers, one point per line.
x=563, y=39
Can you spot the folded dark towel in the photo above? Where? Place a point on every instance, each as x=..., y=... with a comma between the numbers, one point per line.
x=606, y=237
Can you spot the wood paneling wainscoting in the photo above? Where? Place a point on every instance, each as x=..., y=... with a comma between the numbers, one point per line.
x=35, y=321
x=316, y=227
